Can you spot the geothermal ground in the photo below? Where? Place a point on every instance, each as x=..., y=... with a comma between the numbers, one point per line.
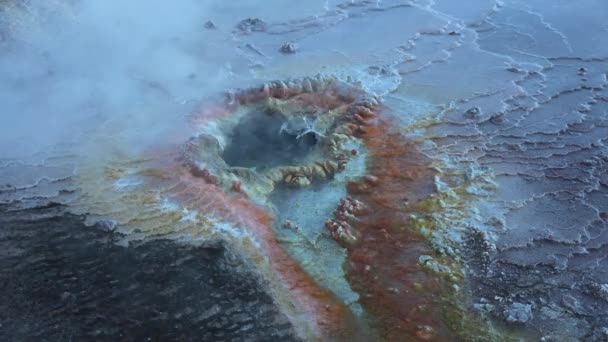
x=312, y=171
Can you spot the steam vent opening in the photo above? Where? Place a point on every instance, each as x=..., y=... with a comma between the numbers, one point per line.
x=265, y=139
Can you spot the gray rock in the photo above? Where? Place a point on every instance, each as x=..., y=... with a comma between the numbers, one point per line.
x=251, y=25
x=209, y=25
x=572, y=304
x=518, y=313
x=599, y=291
x=288, y=47
x=472, y=113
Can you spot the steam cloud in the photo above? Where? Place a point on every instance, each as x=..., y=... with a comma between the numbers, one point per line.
x=133, y=67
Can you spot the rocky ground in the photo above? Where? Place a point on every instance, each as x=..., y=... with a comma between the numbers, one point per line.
x=63, y=281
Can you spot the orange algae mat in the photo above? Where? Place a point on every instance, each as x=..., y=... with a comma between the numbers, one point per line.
x=383, y=267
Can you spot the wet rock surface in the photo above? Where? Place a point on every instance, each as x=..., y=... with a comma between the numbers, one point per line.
x=64, y=281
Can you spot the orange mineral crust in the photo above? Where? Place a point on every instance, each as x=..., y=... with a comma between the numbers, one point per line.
x=383, y=266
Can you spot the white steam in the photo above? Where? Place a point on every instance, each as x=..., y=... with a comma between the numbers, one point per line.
x=132, y=68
